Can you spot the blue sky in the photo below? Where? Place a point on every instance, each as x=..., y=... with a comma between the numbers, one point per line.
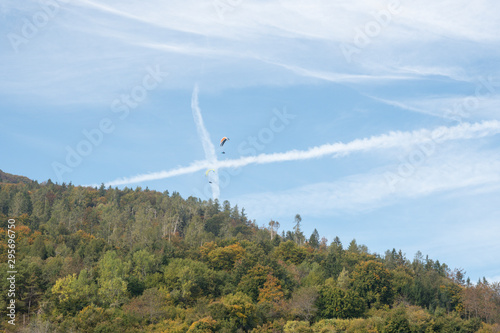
x=374, y=120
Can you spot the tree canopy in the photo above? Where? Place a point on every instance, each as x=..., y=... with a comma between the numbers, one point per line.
x=132, y=260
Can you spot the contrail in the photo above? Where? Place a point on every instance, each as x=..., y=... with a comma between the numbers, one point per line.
x=208, y=146
x=194, y=167
x=385, y=141
x=391, y=140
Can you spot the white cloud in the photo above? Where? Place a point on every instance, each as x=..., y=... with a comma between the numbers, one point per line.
x=460, y=108
x=453, y=19
x=339, y=77
x=302, y=38
x=491, y=279
x=365, y=192
x=319, y=19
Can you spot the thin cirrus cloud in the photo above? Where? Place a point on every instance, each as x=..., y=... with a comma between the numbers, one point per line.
x=474, y=106
x=311, y=20
x=365, y=192
x=454, y=19
x=385, y=141
x=304, y=39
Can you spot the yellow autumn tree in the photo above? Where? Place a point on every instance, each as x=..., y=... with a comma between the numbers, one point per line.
x=224, y=258
x=204, y=325
x=271, y=291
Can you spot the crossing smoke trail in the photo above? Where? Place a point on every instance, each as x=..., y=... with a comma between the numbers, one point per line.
x=208, y=146
x=384, y=141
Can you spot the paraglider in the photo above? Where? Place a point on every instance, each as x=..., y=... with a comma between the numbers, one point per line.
x=222, y=142
x=207, y=174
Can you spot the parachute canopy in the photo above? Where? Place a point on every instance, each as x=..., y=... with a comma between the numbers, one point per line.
x=223, y=141
x=208, y=171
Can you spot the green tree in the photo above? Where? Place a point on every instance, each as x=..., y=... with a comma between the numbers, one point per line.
x=314, y=239
x=402, y=280
x=240, y=309
x=73, y=293
x=21, y=204
x=196, y=234
x=186, y=280
x=144, y=263
x=297, y=327
x=373, y=282
x=315, y=275
x=150, y=305
x=397, y=322
x=215, y=223
x=38, y=248
x=353, y=247
x=334, y=302
x=111, y=266
x=113, y=292
x=343, y=281
x=254, y=280
x=112, y=275
x=91, y=319
x=289, y=251
x=334, y=258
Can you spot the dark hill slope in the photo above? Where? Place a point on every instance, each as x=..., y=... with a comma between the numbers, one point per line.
x=13, y=179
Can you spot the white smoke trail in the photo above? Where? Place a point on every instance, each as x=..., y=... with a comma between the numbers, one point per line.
x=391, y=140
x=194, y=167
x=208, y=146
x=385, y=141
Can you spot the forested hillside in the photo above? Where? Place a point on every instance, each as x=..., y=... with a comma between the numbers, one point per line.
x=135, y=260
